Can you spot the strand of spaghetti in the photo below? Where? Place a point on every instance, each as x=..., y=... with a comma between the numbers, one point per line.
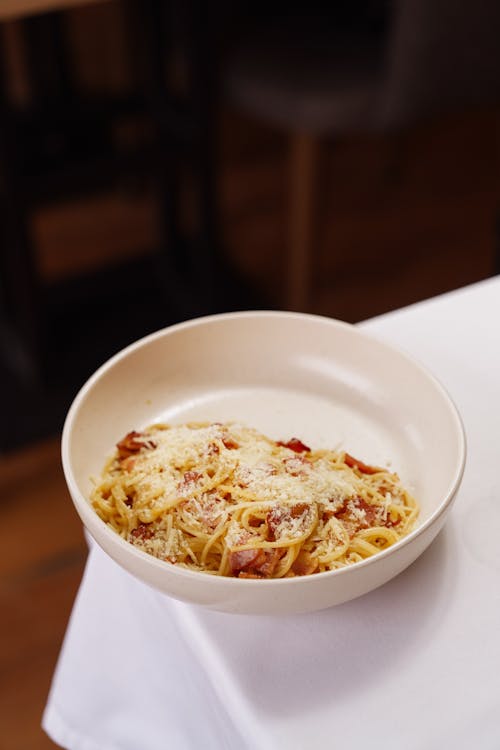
x=287, y=560
x=218, y=532
x=258, y=543
x=376, y=533
x=363, y=547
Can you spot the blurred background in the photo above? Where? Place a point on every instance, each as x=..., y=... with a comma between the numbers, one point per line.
x=163, y=160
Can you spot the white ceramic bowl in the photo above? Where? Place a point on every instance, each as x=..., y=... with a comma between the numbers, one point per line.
x=285, y=374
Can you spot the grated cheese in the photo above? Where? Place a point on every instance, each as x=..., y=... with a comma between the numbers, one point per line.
x=272, y=473
x=210, y=496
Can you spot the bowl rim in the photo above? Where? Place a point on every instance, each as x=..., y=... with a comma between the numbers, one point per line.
x=82, y=504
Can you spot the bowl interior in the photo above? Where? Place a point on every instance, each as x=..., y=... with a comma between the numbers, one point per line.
x=285, y=374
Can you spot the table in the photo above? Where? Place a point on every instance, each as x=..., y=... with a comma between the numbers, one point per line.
x=414, y=664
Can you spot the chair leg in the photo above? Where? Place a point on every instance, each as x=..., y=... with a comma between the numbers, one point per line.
x=303, y=156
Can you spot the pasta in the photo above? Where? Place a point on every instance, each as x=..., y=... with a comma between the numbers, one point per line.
x=226, y=500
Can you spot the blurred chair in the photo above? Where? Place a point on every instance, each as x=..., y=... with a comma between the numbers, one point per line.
x=61, y=144
x=315, y=77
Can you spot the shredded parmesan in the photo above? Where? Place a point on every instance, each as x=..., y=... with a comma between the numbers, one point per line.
x=226, y=499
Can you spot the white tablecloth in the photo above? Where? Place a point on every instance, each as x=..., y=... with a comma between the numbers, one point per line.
x=414, y=664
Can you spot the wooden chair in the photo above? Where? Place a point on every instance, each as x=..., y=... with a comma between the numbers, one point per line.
x=315, y=78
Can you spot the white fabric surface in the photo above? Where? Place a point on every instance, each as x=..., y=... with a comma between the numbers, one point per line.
x=414, y=664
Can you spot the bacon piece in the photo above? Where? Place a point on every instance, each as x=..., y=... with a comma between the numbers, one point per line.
x=304, y=564
x=370, y=510
x=355, y=463
x=142, y=531
x=330, y=512
x=273, y=520
x=241, y=559
x=266, y=562
x=187, y=481
x=299, y=509
x=295, y=445
x=355, y=523
x=131, y=444
x=212, y=449
x=391, y=524
x=260, y=563
x=191, y=476
x=229, y=443
x=255, y=522
x=277, y=515
x=211, y=511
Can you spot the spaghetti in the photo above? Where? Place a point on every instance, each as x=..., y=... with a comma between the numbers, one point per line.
x=227, y=500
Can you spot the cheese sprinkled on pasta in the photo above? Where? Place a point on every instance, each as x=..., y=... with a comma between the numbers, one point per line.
x=225, y=499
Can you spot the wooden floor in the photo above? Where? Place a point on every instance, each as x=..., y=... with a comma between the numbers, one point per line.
x=41, y=563
x=398, y=220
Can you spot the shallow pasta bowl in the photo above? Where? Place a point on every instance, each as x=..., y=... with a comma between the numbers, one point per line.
x=287, y=375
